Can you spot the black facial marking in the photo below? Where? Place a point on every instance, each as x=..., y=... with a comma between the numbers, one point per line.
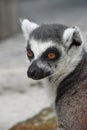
x=51, y=50
x=28, y=46
x=28, y=49
x=74, y=43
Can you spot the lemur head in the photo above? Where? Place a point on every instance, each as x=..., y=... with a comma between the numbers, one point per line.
x=51, y=49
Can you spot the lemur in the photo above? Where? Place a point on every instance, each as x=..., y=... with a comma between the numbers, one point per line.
x=56, y=53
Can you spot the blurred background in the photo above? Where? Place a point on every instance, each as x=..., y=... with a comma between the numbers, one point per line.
x=20, y=97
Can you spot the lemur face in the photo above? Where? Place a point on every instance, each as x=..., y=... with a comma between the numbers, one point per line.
x=43, y=57
x=50, y=48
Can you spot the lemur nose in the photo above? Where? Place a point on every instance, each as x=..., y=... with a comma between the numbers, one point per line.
x=31, y=73
x=34, y=71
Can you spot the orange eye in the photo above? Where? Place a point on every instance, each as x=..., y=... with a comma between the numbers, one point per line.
x=30, y=54
x=51, y=56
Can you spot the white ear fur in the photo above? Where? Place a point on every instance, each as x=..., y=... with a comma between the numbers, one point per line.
x=69, y=35
x=27, y=27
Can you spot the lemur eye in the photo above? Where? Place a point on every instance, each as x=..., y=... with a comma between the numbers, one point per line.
x=30, y=54
x=51, y=55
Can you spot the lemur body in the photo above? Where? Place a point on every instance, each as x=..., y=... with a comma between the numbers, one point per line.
x=56, y=52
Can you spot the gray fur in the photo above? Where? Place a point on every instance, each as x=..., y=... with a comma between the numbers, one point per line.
x=71, y=100
x=46, y=32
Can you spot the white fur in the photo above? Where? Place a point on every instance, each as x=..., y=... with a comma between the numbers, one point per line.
x=67, y=36
x=38, y=47
x=27, y=27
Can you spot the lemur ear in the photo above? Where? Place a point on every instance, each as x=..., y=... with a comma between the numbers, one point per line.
x=27, y=27
x=72, y=37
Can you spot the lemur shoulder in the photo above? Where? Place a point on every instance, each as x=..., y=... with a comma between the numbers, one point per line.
x=56, y=52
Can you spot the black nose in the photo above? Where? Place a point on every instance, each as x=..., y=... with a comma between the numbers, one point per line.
x=35, y=72
x=31, y=72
